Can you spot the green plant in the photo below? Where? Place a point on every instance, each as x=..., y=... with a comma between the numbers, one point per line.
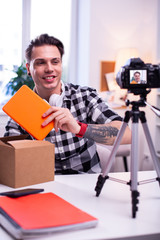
x=21, y=78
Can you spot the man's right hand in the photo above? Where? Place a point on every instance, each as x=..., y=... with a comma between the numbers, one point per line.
x=63, y=119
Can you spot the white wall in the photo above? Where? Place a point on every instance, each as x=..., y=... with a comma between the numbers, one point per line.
x=109, y=25
x=115, y=24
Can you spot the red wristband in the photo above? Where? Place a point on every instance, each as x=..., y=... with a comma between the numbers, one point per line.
x=82, y=130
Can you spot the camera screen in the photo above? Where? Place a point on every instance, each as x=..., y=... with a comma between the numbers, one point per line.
x=138, y=76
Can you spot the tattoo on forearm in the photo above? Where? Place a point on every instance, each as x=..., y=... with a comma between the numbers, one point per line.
x=101, y=134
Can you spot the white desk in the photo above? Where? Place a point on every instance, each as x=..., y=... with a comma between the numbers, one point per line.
x=112, y=207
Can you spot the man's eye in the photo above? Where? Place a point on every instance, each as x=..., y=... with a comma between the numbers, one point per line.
x=39, y=62
x=56, y=61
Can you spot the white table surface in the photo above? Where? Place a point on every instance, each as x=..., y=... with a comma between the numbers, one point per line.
x=112, y=207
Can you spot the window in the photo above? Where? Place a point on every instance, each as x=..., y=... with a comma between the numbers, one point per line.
x=10, y=41
x=49, y=16
x=53, y=17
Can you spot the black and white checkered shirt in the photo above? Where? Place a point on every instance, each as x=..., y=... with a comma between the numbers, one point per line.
x=74, y=154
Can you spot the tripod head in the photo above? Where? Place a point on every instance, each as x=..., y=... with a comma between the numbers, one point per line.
x=142, y=102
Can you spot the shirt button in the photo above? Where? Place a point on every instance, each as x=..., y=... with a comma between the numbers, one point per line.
x=64, y=167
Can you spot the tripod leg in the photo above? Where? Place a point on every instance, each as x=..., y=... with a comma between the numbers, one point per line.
x=150, y=145
x=134, y=168
x=102, y=178
x=114, y=150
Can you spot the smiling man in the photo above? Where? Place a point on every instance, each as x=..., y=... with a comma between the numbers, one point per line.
x=81, y=118
x=45, y=67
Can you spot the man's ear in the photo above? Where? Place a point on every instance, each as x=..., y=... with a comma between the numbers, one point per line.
x=28, y=70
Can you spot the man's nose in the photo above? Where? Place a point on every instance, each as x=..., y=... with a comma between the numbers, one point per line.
x=49, y=67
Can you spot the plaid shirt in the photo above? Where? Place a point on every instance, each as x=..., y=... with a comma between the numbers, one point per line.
x=74, y=154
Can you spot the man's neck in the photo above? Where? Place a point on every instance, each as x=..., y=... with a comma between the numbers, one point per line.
x=46, y=94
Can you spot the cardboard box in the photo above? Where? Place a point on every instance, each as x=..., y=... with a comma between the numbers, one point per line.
x=25, y=162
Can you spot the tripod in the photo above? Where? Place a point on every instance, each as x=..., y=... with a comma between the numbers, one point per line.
x=135, y=114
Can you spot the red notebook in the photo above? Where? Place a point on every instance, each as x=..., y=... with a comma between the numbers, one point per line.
x=26, y=108
x=41, y=213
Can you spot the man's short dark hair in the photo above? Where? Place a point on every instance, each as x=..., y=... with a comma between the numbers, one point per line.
x=137, y=72
x=43, y=39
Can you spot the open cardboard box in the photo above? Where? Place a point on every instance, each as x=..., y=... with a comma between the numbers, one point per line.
x=25, y=162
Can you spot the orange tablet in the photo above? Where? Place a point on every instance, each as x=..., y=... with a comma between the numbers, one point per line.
x=26, y=108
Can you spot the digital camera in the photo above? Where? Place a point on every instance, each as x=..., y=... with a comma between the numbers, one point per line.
x=136, y=75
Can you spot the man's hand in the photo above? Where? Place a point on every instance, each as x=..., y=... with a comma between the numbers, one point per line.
x=62, y=118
